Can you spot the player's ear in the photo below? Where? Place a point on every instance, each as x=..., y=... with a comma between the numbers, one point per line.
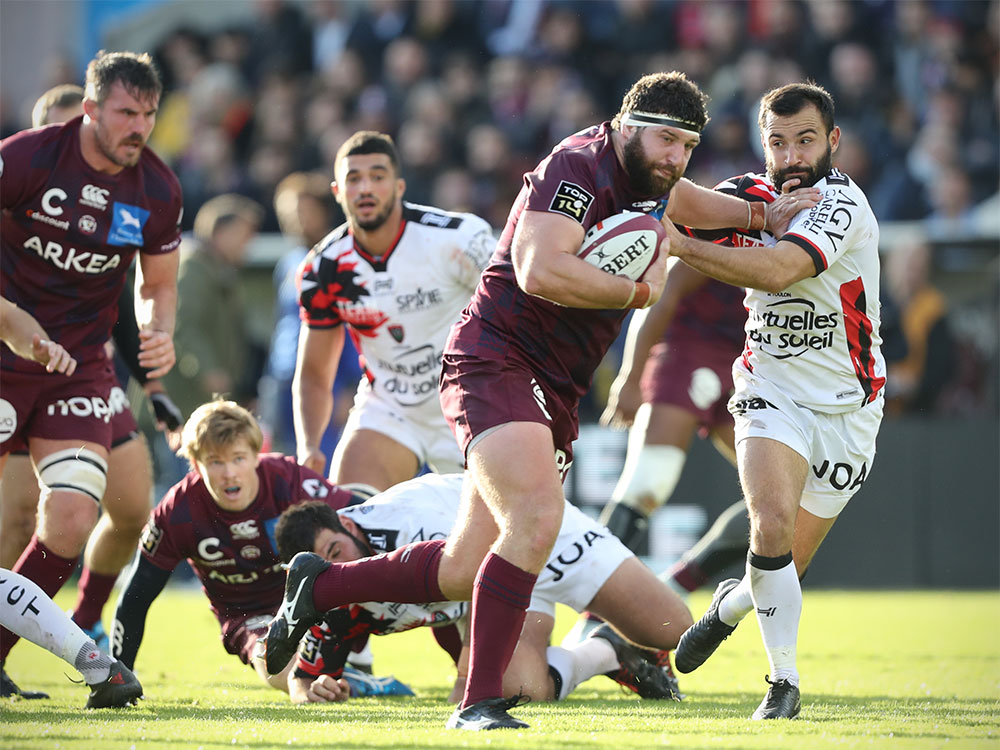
x=834, y=138
x=349, y=525
x=90, y=107
x=335, y=190
x=400, y=186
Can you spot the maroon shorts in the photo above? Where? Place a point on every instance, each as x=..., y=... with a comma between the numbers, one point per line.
x=123, y=424
x=695, y=376
x=241, y=633
x=479, y=394
x=56, y=407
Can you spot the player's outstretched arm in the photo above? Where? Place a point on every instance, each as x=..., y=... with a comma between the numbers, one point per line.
x=769, y=269
x=312, y=390
x=696, y=206
x=156, y=311
x=145, y=582
x=26, y=338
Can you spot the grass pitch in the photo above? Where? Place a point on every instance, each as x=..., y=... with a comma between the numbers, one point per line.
x=916, y=670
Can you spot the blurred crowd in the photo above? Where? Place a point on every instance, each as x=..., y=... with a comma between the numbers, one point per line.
x=475, y=92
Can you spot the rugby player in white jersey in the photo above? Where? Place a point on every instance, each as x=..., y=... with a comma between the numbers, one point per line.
x=395, y=277
x=588, y=568
x=809, y=384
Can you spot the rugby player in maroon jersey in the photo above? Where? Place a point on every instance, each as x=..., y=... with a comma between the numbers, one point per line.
x=79, y=201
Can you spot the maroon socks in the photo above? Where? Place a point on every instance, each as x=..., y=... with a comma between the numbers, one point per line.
x=500, y=600
x=408, y=575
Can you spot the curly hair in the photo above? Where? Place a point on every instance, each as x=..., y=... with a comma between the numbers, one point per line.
x=298, y=525
x=665, y=93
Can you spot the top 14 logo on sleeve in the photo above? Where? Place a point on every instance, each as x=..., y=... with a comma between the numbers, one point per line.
x=571, y=200
x=127, y=224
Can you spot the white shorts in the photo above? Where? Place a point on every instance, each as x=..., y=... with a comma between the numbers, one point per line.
x=421, y=429
x=840, y=448
x=583, y=558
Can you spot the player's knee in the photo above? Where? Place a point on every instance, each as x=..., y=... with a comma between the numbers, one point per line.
x=72, y=482
x=537, y=538
x=771, y=529
x=76, y=470
x=650, y=478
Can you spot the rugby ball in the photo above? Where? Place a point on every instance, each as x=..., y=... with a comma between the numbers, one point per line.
x=625, y=244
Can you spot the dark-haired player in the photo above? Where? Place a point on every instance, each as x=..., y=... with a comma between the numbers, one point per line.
x=394, y=276
x=517, y=363
x=221, y=518
x=588, y=567
x=79, y=201
x=809, y=386
x=675, y=380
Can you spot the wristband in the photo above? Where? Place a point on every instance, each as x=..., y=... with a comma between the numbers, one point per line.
x=758, y=217
x=749, y=216
x=631, y=296
x=639, y=298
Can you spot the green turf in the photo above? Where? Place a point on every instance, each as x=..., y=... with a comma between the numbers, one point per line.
x=880, y=670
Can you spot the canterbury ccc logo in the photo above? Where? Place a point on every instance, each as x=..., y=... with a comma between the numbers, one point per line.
x=95, y=197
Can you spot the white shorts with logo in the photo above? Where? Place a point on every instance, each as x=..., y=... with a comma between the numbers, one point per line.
x=840, y=448
x=422, y=429
x=583, y=558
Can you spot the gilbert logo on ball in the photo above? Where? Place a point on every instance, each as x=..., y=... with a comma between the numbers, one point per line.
x=625, y=244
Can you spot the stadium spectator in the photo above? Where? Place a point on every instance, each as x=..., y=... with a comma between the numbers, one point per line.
x=809, y=387
x=396, y=275
x=91, y=182
x=213, y=345
x=505, y=343
x=216, y=517
x=603, y=574
x=305, y=209
x=915, y=381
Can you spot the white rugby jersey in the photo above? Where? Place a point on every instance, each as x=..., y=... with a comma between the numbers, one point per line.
x=399, y=307
x=417, y=510
x=427, y=508
x=819, y=338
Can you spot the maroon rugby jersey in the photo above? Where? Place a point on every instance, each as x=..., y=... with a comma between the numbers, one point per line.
x=582, y=179
x=234, y=554
x=715, y=311
x=68, y=233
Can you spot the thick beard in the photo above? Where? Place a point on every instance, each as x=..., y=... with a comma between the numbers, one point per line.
x=813, y=173
x=380, y=218
x=641, y=174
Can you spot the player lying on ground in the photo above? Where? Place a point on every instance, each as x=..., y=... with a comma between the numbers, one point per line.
x=219, y=518
x=588, y=569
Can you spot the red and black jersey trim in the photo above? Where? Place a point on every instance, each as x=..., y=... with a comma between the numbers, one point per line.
x=858, y=326
x=380, y=263
x=818, y=258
